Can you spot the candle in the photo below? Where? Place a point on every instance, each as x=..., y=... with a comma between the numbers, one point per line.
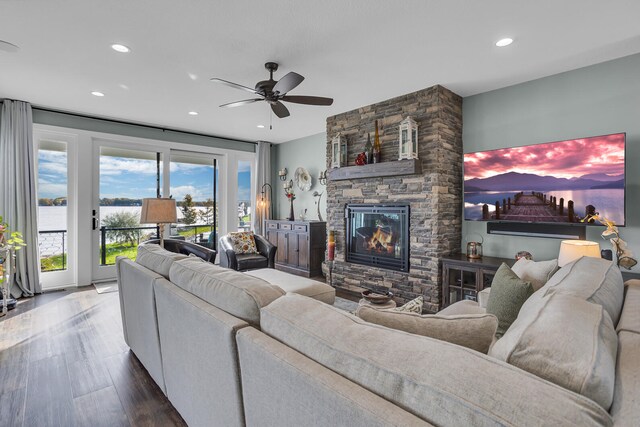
x=331, y=253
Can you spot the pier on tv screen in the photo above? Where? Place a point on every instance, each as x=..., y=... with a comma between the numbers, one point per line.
x=559, y=182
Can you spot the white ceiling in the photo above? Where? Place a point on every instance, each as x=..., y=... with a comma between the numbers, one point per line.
x=356, y=51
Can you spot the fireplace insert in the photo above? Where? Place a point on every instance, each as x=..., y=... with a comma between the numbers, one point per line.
x=378, y=235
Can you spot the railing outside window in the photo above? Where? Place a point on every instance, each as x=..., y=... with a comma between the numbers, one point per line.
x=115, y=242
x=53, y=255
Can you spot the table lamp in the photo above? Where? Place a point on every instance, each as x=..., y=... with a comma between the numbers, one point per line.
x=158, y=211
x=571, y=250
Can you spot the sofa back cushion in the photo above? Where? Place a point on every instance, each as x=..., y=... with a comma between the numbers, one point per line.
x=536, y=272
x=474, y=331
x=592, y=279
x=442, y=383
x=157, y=259
x=630, y=315
x=626, y=408
x=236, y=293
x=565, y=340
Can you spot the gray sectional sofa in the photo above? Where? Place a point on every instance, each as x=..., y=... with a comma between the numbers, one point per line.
x=230, y=348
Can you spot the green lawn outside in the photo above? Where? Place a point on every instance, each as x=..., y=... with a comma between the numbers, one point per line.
x=195, y=231
x=114, y=250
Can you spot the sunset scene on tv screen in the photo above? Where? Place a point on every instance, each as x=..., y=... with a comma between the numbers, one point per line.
x=552, y=182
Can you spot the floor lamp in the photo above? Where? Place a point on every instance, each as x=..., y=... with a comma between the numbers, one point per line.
x=159, y=211
x=264, y=202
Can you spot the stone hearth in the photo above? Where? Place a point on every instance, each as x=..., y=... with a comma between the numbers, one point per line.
x=434, y=195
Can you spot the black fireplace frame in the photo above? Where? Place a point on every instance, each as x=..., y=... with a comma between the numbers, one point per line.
x=401, y=264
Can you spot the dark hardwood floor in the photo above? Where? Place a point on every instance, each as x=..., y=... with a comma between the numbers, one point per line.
x=64, y=362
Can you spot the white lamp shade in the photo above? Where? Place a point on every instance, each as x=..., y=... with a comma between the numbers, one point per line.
x=571, y=250
x=158, y=211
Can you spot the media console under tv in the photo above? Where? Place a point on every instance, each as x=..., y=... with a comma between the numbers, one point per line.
x=556, y=231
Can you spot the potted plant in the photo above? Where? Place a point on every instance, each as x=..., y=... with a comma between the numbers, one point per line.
x=10, y=242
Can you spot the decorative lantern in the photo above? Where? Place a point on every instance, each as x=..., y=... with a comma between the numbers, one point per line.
x=408, y=148
x=338, y=151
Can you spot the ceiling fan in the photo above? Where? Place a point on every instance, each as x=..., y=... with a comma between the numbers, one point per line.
x=275, y=91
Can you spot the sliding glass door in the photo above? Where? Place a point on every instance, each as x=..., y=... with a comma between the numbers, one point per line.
x=124, y=175
x=55, y=154
x=194, y=184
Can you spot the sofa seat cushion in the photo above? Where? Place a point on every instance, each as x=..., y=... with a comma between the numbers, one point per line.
x=296, y=284
x=251, y=261
x=536, y=272
x=593, y=279
x=474, y=331
x=157, y=259
x=626, y=397
x=441, y=383
x=630, y=316
x=508, y=294
x=236, y=293
x=565, y=340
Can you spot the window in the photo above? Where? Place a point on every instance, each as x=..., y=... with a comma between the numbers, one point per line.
x=194, y=185
x=244, y=195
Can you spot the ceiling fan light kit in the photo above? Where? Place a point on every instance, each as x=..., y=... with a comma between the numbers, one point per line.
x=275, y=91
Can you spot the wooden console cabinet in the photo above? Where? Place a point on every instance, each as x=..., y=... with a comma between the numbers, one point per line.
x=463, y=278
x=301, y=245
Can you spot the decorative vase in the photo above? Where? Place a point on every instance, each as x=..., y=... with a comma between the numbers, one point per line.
x=292, y=215
x=377, y=148
x=368, y=149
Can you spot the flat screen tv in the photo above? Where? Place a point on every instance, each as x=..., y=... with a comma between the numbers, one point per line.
x=554, y=182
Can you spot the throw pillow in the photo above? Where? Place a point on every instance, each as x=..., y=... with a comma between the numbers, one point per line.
x=474, y=331
x=413, y=306
x=243, y=242
x=536, y=272
x=508, y=293
x=565, y=340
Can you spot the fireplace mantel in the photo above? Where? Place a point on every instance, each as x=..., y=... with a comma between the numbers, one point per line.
x=376, y=170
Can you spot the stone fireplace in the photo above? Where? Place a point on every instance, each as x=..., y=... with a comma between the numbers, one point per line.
x=378, y=235
x=430, y=189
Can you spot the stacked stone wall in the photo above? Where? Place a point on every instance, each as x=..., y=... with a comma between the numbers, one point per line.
x=434, y=196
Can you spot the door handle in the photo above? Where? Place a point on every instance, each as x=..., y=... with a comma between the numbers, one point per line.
x=94, y=223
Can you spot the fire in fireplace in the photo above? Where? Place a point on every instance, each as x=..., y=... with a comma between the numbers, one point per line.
x=378, y=235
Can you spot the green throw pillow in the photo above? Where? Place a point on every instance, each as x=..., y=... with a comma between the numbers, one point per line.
x=508, y=293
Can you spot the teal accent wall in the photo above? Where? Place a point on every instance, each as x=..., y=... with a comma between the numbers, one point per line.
x=53, y=118
x=596, y=100
x=310, y=153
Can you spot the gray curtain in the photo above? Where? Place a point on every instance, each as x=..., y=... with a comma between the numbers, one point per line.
x=263, y=174
x=18, y=203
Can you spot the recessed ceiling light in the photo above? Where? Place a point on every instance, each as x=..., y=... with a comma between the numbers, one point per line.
x=261, y=126
x=193, y=113
x=96, y=93
x=120, y=48
x=504, y=42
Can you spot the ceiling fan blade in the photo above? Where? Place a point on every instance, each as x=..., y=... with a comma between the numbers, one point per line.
x=309, y=100
x=288, y=82
x=234, y=85
x=280, y=110
x=239, y=103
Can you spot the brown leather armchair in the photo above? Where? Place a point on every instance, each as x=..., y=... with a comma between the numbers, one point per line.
x=264, y=259
x=186, y=248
